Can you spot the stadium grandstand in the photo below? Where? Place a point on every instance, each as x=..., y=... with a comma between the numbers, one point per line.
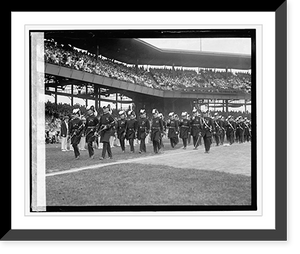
x=91, y=66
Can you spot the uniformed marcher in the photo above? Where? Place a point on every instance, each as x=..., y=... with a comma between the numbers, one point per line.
x=131, y=129
x=121, y=129
x=173, y=129
x=82, y=134
x=247, y=131
x=157, y=129
x=196, y=126
x=161, y=116
x=143, y=129
x=218, y=129
x=207, y=131
x=176, y=118
x=91, y=130
x=185, y=129
x=221, y=122
x=76, y=126
x=104, y=129
x=240, y=129
x=230, y=129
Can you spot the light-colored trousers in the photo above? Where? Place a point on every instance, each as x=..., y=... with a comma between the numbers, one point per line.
x=64, y=143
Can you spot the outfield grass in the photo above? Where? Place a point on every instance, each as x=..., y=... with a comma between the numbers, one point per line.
x=140, y=184
x=56, y=160
x=175, y=177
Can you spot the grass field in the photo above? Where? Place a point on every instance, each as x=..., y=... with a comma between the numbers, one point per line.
x=175, y=177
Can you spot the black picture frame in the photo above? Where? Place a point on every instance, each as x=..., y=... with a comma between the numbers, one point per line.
x=277, y=234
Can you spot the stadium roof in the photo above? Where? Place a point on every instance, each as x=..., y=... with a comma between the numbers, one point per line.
x=135, y=51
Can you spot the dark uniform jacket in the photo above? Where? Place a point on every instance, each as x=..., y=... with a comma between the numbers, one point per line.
x=157, y=127
x=240, y=126
x=195, y=126
x=185, y=128
x=247, y=128
x=143, y=128
x=131, y=128
x=230, y=127
x=173, y=128
x=91, y=127
x=76, y=127
x=208, y=127
x=121, y=128
x=91, y=124
x=105, y=125
x=218, y=124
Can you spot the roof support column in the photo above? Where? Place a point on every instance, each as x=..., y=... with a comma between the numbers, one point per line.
x=226, y=101
x=72, y=95
x=55, y=96
x=86, y=93
x=116, y=101
x=96, y=97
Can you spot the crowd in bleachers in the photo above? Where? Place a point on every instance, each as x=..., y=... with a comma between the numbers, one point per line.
x=84, y=61
x=166, y=78
x=177, y=79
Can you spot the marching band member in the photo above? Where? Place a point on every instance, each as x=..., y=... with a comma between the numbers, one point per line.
x=161, y=116
x=185, y=129
x=247, y=133
x=176, y=118
x=157, y=128
x=143, y=129
x=221, y=122
x=121, y=129
x=91, y=133
x=172, y=126
x=76, y=126
x=240, y=129
x=105, y=125
x=217, y=132
x=131, y=129
x=207, y=131
x=82, y=134
x=230, y=129
x=196, y=128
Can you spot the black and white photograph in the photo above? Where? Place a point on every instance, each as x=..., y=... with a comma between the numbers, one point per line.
x=143, y=120
x=148, y=126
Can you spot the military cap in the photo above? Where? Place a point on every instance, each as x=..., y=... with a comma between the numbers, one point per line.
x=171, y=114
x=131, y=113
x=76, y=111
x=154, y=111
x=142, y=111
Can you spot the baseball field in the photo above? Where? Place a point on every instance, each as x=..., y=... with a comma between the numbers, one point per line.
x=172, y=177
